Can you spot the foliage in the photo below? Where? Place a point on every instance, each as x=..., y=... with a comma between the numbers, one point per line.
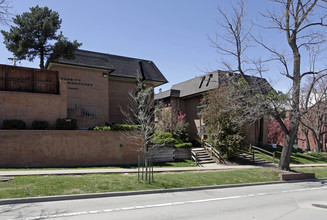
x=66, y=124
x=104, y=128
x=162, y=138
x=118, y=127
x=33, y=36
x=225, y=117
x=171, y=121
x=181, y=131
x=163, y=135
x=125, y=127
x=40, y=125
x=13, y=124
x=184, y=145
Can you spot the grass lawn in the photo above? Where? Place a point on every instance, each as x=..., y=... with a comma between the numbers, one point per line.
x=296, y=158
x=32, y=186
x=321, y=172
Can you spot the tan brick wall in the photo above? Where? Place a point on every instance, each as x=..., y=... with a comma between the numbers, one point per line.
x=119, y=98
x=188, y=107
x=89, y=89
x=33, y=106
x=28, y=148
x=253, y=131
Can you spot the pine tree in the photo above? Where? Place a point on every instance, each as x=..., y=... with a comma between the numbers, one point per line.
x=35, y=35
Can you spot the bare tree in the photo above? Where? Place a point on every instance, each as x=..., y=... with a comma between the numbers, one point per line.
x=314, y=109
x=302, y=28
x=5, y=14
x=141, y=114
x=234, y=39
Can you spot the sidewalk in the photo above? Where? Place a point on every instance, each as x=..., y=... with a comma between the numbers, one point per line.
x=118, y=170
x=134, y=170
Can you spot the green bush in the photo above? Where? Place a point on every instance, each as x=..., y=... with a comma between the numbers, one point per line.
x=40, y=125
x=162, y=135
x=125, y=127
x=164, y=141
x=164, y=138
x=105, y=128
x=181, y=131
x=13, y=124
x=66, y=124
x=184, y=145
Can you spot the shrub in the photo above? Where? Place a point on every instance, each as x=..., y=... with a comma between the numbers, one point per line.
x=40, y=125
x=184, y=145
x=125, y=127
x=181, y=131
x=104, y=128
x=162, y=135
x=14, y=124
x=66, y=124
x=164, y=138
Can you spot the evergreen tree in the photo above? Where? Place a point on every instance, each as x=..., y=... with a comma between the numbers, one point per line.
x=35, y=35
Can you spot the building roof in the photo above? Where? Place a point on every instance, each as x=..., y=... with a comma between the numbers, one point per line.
x=118, y=66
x=211, y=81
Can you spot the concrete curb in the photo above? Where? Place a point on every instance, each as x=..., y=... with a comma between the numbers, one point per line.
x=144, y=192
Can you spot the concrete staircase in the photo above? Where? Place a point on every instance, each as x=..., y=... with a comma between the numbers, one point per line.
x=202, y=157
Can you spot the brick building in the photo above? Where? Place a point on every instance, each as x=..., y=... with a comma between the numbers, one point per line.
x=186, y=96
x=92, y=88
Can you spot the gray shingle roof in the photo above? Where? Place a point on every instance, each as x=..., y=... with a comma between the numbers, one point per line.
x=211, y=81
x=118, y=65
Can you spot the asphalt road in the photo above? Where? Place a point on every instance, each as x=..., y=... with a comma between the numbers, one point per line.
x=302, y=200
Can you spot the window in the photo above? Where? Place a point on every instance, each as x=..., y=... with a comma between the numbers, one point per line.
x=92, y=111
x=73, y=102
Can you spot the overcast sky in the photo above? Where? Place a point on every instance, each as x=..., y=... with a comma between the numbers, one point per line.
x=171, y=33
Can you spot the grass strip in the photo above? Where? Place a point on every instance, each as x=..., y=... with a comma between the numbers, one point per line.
x=321, y=172
x=33, y=186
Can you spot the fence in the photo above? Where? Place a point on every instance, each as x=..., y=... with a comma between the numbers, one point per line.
x=21, y=79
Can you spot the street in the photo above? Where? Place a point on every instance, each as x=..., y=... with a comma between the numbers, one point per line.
x=302, y=200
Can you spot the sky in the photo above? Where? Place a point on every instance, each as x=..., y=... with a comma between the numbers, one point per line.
x=171, y=33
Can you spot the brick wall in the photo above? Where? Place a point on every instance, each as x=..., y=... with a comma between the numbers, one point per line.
x=33, y=106
x=87, y=94
x=52, y=148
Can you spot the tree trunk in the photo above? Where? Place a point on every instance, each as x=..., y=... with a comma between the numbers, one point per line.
x=318, y=145
x=42, y=59
x=285, y=159
x=306, y=133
